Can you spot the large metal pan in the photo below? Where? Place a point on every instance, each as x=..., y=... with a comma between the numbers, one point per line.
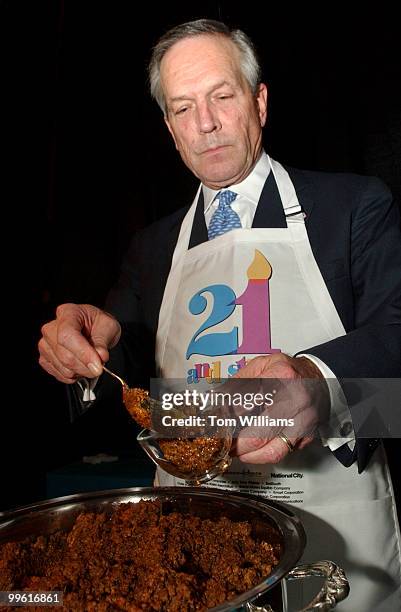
x=60, y=513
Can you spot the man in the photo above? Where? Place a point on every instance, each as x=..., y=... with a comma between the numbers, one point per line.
x=306, y=281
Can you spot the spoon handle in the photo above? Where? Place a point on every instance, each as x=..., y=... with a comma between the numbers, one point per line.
x=124, y=384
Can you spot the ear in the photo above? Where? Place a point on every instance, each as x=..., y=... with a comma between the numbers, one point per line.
x=170, y=129
x=261, y=101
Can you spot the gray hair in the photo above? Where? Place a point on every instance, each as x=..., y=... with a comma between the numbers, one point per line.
x=250, y=66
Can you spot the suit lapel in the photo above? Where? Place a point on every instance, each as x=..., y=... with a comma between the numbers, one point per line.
x=269, y=212
x=199, y=229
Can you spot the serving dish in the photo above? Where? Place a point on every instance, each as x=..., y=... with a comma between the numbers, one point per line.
x=46, y=517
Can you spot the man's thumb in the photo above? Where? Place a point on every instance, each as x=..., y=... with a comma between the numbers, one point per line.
x=102, y=352
x=96, y=363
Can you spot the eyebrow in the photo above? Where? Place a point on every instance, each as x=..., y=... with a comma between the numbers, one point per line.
x=214, y=87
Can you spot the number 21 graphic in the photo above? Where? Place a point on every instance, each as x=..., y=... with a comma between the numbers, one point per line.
x=255, y=302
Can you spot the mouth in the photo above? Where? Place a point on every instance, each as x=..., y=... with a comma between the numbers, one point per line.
x=212, y=150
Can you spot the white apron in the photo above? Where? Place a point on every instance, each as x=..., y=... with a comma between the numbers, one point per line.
x=218, y=310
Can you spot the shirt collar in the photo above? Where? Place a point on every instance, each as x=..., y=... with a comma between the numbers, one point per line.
x=250, y=188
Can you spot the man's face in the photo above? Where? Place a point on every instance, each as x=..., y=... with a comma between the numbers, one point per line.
x=215, y=119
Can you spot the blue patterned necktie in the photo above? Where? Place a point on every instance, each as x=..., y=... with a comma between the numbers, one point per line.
x=224, y=218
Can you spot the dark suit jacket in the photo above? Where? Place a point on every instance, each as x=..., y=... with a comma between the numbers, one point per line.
x=353, y=228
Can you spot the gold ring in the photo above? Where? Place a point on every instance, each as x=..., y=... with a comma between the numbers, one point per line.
x=289, y=444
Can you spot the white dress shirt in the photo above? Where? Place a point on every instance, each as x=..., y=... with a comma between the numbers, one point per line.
x=248, y=194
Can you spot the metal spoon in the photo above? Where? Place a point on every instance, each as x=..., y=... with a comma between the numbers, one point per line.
x=122, y=381
x=148, y=402
x=137, y=402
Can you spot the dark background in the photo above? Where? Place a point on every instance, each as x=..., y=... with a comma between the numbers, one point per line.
x=87, y=161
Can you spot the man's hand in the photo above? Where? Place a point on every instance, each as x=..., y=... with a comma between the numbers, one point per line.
x=77, y=342
x=303, y=400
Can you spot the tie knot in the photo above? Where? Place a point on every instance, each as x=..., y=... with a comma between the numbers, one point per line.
x=226, y=197
x=224, y=218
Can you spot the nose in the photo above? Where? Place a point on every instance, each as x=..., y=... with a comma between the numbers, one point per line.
x=207, y=117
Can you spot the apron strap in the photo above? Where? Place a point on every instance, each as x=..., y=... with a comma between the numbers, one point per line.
x=289, y=200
